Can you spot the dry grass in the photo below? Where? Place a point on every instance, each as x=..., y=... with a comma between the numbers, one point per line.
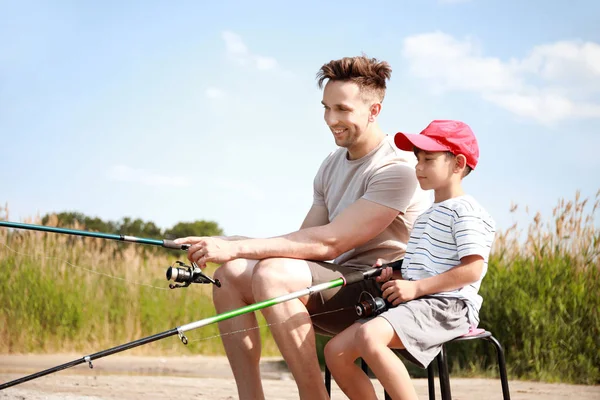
x=541, y=297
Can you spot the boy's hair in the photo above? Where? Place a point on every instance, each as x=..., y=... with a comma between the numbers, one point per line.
x=448, y=155
x=369, y=74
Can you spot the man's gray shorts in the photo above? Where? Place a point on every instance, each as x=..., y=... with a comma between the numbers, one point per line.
x=332, y=310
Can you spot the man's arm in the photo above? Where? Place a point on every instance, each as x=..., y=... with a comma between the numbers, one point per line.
x=357, y=224
x=317, y=216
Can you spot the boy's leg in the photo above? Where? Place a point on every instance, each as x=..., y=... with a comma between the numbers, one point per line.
x=374, y=340
x=242, y=349
x=340, y=354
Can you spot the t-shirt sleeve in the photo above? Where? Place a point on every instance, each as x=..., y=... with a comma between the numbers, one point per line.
x=318, y=187
x=393, y=186
x=474, y=233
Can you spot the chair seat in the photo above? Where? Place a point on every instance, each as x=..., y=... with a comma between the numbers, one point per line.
x=476, y=333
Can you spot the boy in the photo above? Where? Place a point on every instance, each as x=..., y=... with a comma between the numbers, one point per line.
x=435, y=293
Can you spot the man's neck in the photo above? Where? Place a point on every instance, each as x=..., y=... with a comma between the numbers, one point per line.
x=372, y=139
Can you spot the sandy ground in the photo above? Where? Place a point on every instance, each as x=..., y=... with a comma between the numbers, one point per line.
x=199, y=377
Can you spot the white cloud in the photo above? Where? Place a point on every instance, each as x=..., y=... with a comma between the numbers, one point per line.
x=214, y=93
x=234, y=44
x=554, y=82
x=239, y=52
x=124, y=173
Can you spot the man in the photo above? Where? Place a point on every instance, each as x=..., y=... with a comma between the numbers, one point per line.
x=366, y=198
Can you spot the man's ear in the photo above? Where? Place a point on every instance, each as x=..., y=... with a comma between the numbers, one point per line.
x=460, y=163
x=374, y=111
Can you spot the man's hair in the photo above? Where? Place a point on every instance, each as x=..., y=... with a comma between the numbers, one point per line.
x=369, y=74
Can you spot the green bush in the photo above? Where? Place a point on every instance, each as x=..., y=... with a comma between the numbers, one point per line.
x=541, y=299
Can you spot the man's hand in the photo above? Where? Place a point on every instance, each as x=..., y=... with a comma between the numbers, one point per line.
x=208, y=249
x=400, y=291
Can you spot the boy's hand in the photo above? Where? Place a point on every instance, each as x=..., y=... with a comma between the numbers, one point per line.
x=386, y=273
x=400, y=291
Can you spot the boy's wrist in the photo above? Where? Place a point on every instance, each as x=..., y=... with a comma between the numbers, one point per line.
x=419, y=289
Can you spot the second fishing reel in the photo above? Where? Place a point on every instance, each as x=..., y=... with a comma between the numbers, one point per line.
x=370, y=306
x=187, y=275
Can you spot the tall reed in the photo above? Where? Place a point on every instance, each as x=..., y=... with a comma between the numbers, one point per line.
x=541, y=298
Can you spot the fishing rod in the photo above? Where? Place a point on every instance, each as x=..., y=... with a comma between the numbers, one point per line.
x=348, y=279
x=169, y=244
x=186, y=275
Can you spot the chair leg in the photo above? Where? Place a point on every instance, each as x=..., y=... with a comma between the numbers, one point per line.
x=431, y=381
x=501, y=367
x=328, y=381
x=444, y=378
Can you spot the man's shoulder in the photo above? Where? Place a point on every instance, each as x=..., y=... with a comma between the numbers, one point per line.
x=390, y=159
x=391, y=153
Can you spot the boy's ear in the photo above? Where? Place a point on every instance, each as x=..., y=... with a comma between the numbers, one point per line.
x=460, y=163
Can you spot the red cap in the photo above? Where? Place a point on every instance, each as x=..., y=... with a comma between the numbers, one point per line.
x=443, y=135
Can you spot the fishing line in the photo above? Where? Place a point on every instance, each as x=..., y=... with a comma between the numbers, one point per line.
x=161, y=288
x=84, y=268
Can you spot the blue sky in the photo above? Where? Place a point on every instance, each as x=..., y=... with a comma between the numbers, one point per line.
x=186, y=110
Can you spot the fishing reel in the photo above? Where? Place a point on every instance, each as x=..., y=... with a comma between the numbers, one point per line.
x=370, y=306
x=373, y=306
x=187, y=275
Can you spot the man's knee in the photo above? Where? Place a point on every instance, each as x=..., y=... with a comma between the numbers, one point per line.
x=236, y=277
x=279, y=276
x=234, y=271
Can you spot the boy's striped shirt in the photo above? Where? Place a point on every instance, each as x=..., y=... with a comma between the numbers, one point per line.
x=441, y=236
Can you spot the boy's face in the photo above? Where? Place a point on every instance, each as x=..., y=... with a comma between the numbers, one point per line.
x=434, y=170
x=346, y=112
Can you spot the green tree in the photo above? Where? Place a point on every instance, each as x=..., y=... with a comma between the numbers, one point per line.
x=196, y=228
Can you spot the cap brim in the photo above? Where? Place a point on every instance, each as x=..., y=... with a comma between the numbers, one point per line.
x=406, y=141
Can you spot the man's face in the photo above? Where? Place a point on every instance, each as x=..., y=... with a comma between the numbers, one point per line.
x=346, y=112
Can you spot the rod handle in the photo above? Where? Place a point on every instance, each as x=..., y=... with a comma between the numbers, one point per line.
x=170, y=244
x=358, y=276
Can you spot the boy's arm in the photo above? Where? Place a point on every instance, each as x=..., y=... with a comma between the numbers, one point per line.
x=468, y=271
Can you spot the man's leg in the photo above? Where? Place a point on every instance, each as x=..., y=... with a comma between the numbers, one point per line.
x=242, y=349
x=292, y=327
